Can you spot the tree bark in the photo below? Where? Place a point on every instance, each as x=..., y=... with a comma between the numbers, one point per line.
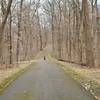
x=2, y=26
x=87, y=35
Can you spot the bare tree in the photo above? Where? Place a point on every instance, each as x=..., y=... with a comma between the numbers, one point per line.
x=5, y=12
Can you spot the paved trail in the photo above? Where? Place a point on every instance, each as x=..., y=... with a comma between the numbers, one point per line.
x=45, y=81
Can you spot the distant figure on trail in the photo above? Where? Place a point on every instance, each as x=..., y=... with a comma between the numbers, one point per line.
x=44, y=58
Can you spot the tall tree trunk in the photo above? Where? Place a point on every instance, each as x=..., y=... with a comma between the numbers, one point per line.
x=59, y=40
x=78, y=44
x=2, y=26
x=18, y=33
x=87, y=35
x=52, y=27
x=69, y=38
x=40, y=35
x=10, y=39
x=98, y=41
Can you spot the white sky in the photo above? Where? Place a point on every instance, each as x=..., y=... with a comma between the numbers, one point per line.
x=98, y=1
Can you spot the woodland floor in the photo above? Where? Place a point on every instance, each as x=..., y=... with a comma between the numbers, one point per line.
x=91, y=73
x=45, y=81
x=7, y=72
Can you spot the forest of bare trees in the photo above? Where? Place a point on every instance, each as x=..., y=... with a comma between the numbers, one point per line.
x=75, y=30
x=72, y=27
x=19, y=30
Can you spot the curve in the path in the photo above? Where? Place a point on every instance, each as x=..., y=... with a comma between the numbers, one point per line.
x=45, y=81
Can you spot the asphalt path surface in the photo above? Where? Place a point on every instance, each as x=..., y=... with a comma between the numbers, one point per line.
x=45, y=81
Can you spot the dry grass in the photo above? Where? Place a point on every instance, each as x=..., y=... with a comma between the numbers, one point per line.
x=91, y=73
x=5, y=73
